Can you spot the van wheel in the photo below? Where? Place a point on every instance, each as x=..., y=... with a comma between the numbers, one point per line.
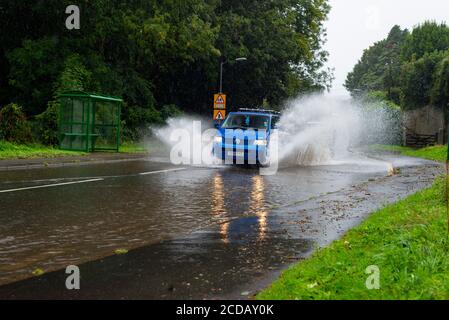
x=267, y=163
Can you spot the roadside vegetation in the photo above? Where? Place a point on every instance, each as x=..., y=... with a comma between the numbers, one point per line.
x=435, y=153
x=9, y=151
x=168, y=63
x=408, y=68
x=133, y=148
x=406, y=71
x=407, y=241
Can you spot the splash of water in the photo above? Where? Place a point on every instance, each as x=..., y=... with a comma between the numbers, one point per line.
x=313, y=130
x=194, y=129
x=318, y=129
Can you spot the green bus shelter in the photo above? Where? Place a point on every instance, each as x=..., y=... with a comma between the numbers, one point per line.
x=89, y=122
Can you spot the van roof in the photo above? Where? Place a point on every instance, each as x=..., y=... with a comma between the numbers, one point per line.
x=256, y=112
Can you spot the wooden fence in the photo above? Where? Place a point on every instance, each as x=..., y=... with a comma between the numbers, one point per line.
x=420, y=140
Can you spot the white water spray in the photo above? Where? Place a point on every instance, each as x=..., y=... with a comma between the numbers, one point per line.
x=313, y=130
x=317, y=130
x=194, y=140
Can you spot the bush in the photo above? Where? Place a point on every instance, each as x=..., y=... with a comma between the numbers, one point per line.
x=395, y=95
x=75, y=76
x=14, y=126
x=47, y=124
x=418, y=80
x=137, y=120
x=385, y=124
x=170, y=111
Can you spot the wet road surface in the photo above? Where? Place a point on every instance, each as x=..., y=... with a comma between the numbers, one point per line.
x=196, y=232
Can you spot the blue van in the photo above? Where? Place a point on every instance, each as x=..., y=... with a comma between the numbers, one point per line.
x=244, y=137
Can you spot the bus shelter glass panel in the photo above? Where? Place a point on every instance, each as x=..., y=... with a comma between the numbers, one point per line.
x=105, y=126
x=89, y=122
x=74, y=124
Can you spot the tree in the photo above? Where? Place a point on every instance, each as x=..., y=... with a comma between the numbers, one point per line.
x=33, y=69
x=440, y=90
x=418, y=79
x=379, y=68
x=157, y=53
x=283, y=42
x=425, y=38
x=410, y=68
x=14, y=126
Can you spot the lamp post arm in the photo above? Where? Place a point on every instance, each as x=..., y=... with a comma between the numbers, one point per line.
x=221, y=75
x=223, y=62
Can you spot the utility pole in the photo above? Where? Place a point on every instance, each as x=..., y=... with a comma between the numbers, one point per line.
x=222, y=63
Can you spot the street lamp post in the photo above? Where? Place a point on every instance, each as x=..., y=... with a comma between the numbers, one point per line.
x=221, y=70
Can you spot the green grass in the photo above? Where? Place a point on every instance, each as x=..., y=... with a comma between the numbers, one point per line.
x=408, y=241
x=10, y=151
x=436, y=153
x=133, y=148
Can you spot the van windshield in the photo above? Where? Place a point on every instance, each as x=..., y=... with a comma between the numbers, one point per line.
x=246, y=121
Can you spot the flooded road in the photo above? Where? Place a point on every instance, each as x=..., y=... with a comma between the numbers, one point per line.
x=197, y=232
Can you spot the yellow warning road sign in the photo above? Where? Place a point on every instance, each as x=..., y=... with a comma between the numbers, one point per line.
x=219, y=114
x=220, y=101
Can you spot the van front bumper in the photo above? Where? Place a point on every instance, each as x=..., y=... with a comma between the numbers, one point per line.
x=240, y=154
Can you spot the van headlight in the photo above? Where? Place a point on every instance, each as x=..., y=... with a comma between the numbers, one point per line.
x=218, y=139
x=260, y=142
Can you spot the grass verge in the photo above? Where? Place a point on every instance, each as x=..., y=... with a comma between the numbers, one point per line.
x=407, y=241
x=10, y=151
x=436, y=153
x=133, y=148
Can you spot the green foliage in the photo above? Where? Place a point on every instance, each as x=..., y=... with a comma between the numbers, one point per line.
x=386, y=126
x=407, y=241
x=375, y=96
x=47, y=124
x=435, y=153
x=10, y=150
x=395, y=95
x=14, y=126
x=282, y=40
x=418, y=80
x=170, y=111
x=161, y=53
x=380, y=99
x=440, y=90
x=74, y=76
x=379, y=67
x=136, y=122
x=375, y=99
x=412, y=68
x=425, y=38
x=133, y=148
x=33, y=66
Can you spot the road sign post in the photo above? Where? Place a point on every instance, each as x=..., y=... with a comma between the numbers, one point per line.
x=219, y=101
x=219, y=115
x=219, y=107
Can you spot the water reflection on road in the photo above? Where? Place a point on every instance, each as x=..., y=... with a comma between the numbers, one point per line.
x=256, y=207
x=51, y=228
x=218, y=206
